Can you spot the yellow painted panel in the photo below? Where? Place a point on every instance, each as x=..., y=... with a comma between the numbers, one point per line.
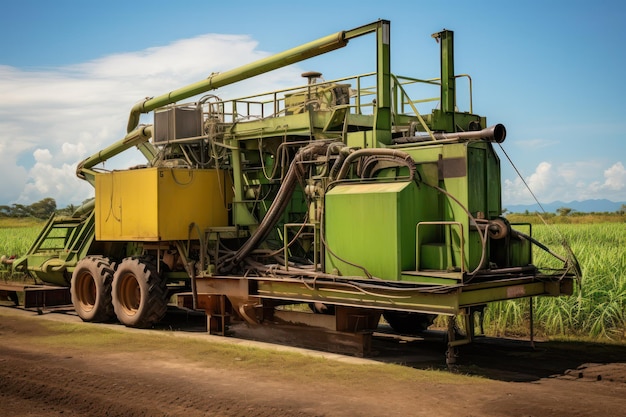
x=154, y=204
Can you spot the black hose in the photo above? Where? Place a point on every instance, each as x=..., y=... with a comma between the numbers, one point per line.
x=395, y=154
x=368, y=167
x=539, y=244
x=280, y=203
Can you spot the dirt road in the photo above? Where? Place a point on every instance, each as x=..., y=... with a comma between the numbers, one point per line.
x=552, y=380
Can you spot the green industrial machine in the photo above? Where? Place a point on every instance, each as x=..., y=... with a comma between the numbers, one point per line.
x=336, y=194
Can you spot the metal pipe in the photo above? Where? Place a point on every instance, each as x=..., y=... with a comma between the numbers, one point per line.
x=85, y=208
x=134, y=138
x=495, y=133
x=448, y=80
x=217, y=80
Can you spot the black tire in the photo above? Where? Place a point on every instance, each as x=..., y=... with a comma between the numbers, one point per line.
x=90, y=288
x=139, y=293
x=408, y=323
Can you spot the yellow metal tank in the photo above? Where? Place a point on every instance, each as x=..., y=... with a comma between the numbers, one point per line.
x=157, y=204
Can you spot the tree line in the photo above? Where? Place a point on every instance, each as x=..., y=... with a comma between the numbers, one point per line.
x=42, y=209
x=567, y=211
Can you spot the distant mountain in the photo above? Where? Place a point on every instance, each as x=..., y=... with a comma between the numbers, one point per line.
x=586, y=206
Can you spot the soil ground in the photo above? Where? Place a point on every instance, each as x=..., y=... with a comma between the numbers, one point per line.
x=551, y=379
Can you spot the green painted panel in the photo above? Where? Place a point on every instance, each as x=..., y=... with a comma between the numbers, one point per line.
x=494, y=187
x=434, y=256
x=372, y=225
x=477, y=198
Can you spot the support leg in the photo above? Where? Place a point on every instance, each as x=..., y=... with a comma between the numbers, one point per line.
x=450, y=352
x=532, y=323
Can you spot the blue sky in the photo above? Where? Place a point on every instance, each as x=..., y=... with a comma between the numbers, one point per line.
x=551, y=71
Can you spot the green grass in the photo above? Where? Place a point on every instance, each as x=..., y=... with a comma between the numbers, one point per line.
x=573, y=218
x=16, y=237
x=598, y=307
x=18, y=234
x=17, y=240
x=19, y=222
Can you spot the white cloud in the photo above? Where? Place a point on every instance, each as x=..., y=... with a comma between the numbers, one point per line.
x=541, y=179
x=568, y=182
x=74, y=150
x=51, y=180
x=615, y=177
x=59, y=116
x=42, y=155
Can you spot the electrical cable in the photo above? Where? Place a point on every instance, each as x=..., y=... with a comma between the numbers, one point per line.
x=571, y=259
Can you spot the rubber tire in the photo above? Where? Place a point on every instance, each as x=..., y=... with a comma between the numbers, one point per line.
x=408, y=323
x=90, y=289
x=139, y=293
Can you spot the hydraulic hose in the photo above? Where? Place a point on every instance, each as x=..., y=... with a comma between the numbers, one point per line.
x=400, y=156
x=539, y=244
x=280, y=203
x=368, y=166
